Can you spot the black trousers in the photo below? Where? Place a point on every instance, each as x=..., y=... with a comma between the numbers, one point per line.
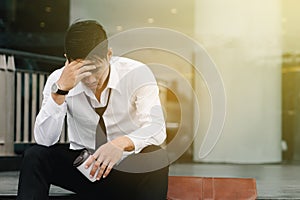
x=43, y=166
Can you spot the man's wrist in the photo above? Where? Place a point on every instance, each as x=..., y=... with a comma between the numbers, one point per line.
x=124, y=143
x=62, y=85
x=56, y=89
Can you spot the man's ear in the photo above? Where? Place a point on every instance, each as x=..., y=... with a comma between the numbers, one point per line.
x=65, y=55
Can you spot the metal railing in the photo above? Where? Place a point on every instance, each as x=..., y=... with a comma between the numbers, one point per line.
x=24, y=76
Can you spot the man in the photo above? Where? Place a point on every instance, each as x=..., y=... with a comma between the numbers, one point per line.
x=112, y=107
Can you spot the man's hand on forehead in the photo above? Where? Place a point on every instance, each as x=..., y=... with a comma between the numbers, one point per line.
x=74, y=72
x=97, y=62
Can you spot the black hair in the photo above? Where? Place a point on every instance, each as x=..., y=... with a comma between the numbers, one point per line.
x=84, y=38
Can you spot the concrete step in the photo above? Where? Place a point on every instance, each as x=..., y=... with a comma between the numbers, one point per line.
x=9, y=187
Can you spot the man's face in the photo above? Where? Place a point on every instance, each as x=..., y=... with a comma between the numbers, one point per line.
x=98, y=74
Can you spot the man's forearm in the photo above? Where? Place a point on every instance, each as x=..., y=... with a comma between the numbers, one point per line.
x=49, y=121
x=59, y=99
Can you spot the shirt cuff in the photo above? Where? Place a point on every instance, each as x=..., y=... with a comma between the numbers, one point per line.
x=55, y=110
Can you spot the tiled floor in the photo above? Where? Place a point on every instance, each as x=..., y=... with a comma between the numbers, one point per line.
x=273, y=181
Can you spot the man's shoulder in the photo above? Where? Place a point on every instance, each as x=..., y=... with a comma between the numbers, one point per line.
x=133, y=71
x=126, y=63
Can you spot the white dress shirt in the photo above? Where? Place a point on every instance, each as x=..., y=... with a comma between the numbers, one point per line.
x=134, y=109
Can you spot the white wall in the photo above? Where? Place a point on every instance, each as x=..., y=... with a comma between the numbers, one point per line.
x=243, y=38
x=290, y=26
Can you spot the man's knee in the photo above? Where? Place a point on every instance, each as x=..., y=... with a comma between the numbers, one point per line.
x=35, y=153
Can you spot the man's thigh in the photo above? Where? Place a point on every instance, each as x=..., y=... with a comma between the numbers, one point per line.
x=133, y=186
x=64, y=174
x=124, y=183
x=118, y=184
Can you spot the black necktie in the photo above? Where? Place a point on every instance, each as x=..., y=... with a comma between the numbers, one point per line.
x=101, y=135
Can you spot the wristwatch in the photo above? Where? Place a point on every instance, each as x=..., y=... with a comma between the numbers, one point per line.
x=55, y=89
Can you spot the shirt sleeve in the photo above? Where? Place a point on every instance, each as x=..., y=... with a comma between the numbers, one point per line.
x=149, y=112
x=49, y=121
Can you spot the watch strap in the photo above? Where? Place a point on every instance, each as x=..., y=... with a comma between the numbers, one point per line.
x=62, y=92
x=56, y=89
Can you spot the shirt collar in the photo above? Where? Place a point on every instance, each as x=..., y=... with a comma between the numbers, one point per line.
x=79, y=88
x=113, y=82
x=114, y=79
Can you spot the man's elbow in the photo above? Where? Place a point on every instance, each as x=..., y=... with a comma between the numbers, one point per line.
x=44, y=141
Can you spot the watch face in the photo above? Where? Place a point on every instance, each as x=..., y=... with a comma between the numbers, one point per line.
x=54, y=88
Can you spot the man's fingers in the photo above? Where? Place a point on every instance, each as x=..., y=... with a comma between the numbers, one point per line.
x=90, y=160
x=86, y=68
x=85, y=71
x=82, y=76
x=76, y=64
x=107, y=171
x=101, y=171
x=94, y=168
